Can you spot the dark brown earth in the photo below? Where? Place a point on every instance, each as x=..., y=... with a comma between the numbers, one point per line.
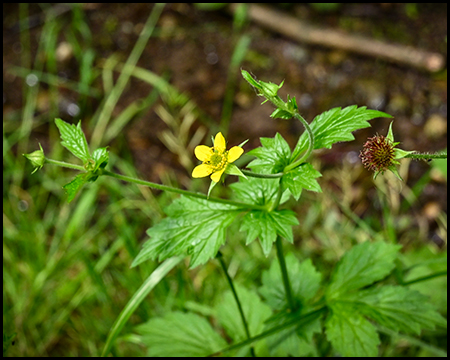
x=192, y=49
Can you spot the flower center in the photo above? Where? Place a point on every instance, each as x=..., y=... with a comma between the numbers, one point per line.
x=218, y=161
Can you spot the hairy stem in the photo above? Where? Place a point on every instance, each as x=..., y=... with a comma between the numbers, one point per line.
x=308, y=152
x=425, y=156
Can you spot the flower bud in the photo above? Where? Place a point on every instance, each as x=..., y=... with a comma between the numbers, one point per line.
x=37, y=158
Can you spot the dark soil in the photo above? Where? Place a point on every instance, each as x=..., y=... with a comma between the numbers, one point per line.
x=192, y=48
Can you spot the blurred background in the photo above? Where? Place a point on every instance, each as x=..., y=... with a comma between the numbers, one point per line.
x=151, y=82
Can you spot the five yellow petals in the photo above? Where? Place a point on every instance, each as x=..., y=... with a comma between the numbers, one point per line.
x=215, y=159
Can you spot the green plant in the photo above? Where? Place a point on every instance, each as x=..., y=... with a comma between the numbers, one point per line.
x=360, y=299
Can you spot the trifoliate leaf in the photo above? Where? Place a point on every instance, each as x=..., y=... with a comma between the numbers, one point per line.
x=336, y=125
x=304, y=279
x=267, y=226
x=302, y=177
x=350, y=333
x=361, y=266
x=194, y=225
x=180, y=334
x=398, y=308
x=255, y=312
x=272, y=157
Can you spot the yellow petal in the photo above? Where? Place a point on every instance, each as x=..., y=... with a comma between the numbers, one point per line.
x=217, y=175
x=235, y=153
x=201, y=170
x=203, y=152
x=219, y=143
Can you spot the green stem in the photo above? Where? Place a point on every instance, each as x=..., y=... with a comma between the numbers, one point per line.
x=159, y=186
x=308, y=152
x=276, y=329
x=424, y=156
x=64, y=164
x=236, y=298
x=180, y=191
x=285, y=275
x=425, y=278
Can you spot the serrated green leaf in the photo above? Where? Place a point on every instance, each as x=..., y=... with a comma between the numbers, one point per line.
x=267, y=226
x=255, y=312
x=361, y=266
x=337, y=125
x=272, y=157
x=180, y=334
x=350, y=333
x=74, y=139
x=257, y=191
x=192, y=224
x=302, y=177
x=398, y=308
x=74, y=186
x=101, y=158
x=304, y=279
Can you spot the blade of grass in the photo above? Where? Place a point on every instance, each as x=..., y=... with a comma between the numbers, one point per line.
x=238, y=56
x=111, y=101
x=154, y=278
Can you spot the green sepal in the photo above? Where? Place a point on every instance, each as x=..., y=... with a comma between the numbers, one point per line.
x=267, y=89
x=281, y=114
x=232, y=169
x=211, y=186
x=400, y=154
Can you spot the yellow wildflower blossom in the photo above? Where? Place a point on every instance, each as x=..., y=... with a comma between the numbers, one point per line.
x=215, y=159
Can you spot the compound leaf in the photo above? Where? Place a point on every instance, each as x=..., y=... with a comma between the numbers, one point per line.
x=194, y=225
x=337, y=125
x=267, y=226
x=272, y=157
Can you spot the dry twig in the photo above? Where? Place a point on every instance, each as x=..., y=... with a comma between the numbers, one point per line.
x=299, y=30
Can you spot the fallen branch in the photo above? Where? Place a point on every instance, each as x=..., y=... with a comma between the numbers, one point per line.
x=299, y=30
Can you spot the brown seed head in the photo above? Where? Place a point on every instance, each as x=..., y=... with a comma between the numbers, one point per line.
x=377, y=154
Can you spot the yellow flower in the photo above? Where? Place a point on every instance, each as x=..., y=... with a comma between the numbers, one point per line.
x=215, y=159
